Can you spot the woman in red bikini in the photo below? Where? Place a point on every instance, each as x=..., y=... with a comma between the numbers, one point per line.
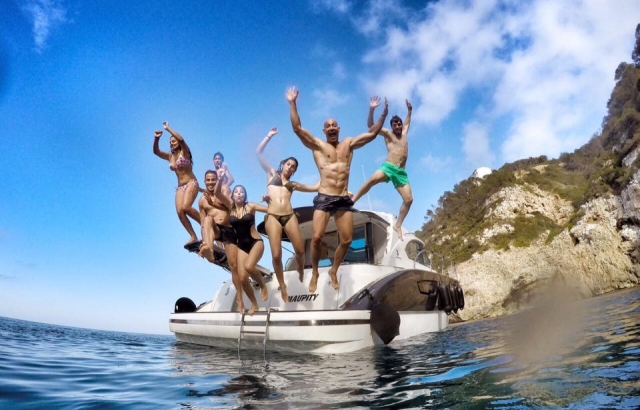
x=181, y=162
x=280, y=215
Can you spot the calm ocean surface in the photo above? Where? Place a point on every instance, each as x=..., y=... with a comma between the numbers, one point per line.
x=585, y=355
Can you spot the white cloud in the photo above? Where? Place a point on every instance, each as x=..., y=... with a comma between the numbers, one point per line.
x=435, y=164
x=375, y=14
x=338, y=6
x=339, y=72
x=546, y=68
x=45, y=15
x=326, y=99
x=475, y=145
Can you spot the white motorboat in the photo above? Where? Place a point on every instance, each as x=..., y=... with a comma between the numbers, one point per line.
x=388, y=291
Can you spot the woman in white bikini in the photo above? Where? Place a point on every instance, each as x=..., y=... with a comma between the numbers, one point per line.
x=280, y=216
x=181, y=162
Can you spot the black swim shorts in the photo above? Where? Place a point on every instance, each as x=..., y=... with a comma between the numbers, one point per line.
x=332, y=203
x=227, y=235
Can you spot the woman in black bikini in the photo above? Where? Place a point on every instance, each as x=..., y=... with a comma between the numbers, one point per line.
x=250, y=246
x=181, y=162
x=280, y=215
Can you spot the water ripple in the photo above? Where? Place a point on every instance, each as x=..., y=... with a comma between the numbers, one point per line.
x=588, y=359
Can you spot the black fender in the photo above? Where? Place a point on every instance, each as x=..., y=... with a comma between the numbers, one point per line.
x=430, y=289
x=444, y=298
x=460, y=295
x=454, y=298
x=184, y=305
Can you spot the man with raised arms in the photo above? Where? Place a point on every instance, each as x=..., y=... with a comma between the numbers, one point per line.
x=333, y=159
x=394, y=168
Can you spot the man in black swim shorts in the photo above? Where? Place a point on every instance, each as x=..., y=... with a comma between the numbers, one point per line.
x=332, y=203
x=333, y=159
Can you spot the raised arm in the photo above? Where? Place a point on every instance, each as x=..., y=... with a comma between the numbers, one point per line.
x=305, y=136
x=373, y=103
x=183, y=144
x=261, y=159
x=229, y=178
x=156, y=146
x=407, y=121
x=369, y=136
x=222, y=196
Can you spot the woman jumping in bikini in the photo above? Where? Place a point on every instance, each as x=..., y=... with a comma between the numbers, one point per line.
x=280, y=216
x=181, y=162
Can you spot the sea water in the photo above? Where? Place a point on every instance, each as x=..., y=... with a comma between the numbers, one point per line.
x=585, y=355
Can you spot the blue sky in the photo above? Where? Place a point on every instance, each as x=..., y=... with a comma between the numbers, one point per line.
x=88, y=232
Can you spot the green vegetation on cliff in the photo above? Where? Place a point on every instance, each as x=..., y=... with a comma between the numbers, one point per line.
x=595, y=169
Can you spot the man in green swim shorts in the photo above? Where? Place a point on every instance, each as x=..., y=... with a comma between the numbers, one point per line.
x=394, y=169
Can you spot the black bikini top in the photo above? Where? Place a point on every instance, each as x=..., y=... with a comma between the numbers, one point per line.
x=277, y=181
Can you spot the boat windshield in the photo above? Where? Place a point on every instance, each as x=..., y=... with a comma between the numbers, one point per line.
x=357, y=252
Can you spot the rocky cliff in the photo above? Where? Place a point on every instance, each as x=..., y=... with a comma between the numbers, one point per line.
x=600, y=253
x=518, y=234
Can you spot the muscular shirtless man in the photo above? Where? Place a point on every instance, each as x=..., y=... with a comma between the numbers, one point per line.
x=394, y=168
x=333, y=159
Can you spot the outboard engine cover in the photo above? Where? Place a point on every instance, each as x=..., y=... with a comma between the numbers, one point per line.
x=184, y=305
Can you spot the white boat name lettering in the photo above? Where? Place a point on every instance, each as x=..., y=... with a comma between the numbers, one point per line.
x=303, y=298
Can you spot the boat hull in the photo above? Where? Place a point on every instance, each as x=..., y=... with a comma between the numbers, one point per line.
x=337, y=331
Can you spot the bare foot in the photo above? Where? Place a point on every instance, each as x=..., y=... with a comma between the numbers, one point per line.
x=207, y=253
x=252, y=310
x=313, y=285
x=334, y=279
x=264, y=292
x=398, y=230
x=301, y=274
x=193, y=239
x=240, y=307
x=284, y=294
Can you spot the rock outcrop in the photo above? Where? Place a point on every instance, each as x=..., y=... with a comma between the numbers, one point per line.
x=599, y=254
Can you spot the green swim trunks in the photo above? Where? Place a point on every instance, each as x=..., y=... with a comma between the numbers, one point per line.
x=395, y=174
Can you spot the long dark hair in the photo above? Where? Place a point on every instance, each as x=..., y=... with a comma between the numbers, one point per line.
x=279, y=170
x=246, y=198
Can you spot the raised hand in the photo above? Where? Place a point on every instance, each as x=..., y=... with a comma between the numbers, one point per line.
x=386, y=107
x=374, y=102
x=292, y=94
x=273, y=131
x=409, y=107
x=165, y=125
x=158, y=134
x=222, y=172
